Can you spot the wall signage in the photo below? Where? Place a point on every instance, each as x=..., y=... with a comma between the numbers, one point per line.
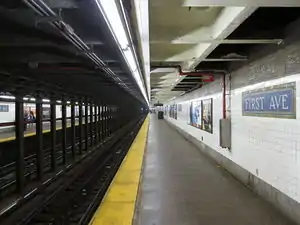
x=276, y=101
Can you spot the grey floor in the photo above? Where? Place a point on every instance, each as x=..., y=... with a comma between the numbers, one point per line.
x=180, y=186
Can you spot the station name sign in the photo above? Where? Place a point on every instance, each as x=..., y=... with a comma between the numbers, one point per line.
x=277, y=101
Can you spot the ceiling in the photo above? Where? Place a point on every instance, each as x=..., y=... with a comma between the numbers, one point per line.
x=208, y=38
x=65, y=43
x=170, y=22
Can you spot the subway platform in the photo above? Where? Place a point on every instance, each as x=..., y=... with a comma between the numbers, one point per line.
x=166, y=180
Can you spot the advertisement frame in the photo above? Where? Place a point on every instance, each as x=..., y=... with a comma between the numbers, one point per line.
x=202, y=125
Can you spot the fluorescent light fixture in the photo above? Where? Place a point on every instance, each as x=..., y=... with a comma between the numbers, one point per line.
x=58, y=101
x=142, y=15
x=46, y=100
x=32, y=99
x=7, y=97
x=113, y=18
x=25, y=99
x=109, y=9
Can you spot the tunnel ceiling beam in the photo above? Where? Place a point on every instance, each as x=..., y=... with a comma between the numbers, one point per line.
x=254, y=3
x=62, y=4
x=226, y=23
x=195, y=40
x=192, y=42
x=37, y=42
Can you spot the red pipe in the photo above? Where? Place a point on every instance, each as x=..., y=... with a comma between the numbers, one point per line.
x=210, y=77
x=224, y=95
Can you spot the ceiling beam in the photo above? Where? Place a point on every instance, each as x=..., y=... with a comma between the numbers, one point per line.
x=224, y=59
x=189, y=82
x=36, y=42
x=227, y=22
x=255, y=3
x=206, y=60
x=61, y=4
x=196, y=40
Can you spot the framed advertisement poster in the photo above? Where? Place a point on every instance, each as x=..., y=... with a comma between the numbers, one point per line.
x=196, y=114
x=207, y=118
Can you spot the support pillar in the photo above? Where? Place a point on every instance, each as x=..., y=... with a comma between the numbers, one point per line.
x=19, y=115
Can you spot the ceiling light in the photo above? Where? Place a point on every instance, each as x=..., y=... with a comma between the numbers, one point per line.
x=109, y=9
x=7, y=97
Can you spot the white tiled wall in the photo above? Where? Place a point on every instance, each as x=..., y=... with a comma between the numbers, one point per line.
x=267, y=147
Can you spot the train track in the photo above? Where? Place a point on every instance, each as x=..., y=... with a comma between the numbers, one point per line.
x=7, y=172
x=74, y=200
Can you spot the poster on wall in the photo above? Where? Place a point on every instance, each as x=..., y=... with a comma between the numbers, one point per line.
x=173, y=111
x=46, y=113
x=196, y=114
x=278, y=101
x=179, y=107
x=207, y=115
x=4, y=108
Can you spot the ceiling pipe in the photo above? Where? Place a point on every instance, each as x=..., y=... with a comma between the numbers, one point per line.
x=207, y=77
x=45, y=11
x=195, y=73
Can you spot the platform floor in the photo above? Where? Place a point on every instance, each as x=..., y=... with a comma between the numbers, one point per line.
x=181, y=186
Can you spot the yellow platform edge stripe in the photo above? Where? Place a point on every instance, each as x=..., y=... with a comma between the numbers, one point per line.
x=33, y=133
x=118, y=205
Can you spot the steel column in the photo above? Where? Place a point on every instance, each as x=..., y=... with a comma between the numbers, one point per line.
x=113, y=119
x=96, y=124
x=102, y=123
x=19, y=131
x=39, y=136
x=86, y=118
x=80, y=127
x=53, y=135
x=91, y=125
x=64, y=131
x=99, y=123
x=108, y=120
x=73, y=131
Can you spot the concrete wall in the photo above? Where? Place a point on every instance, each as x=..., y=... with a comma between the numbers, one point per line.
x=265, y=153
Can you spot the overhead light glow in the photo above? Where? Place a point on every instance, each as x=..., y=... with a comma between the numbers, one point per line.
x=7, y=97
x=109, y=9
